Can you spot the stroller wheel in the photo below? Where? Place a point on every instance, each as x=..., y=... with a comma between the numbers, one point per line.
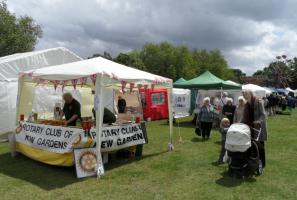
x=260, y=169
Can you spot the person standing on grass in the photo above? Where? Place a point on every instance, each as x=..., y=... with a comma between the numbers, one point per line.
x=224, y=127
x=255, y=117
x=238, y=114
x=229, y=109
x=206, y=118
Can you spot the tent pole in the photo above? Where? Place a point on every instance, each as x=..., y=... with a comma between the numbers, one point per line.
x=99, y=94
x=169, y=97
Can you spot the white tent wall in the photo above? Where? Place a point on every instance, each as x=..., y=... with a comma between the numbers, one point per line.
x=11, y=65
x=8, y=93
x=181, y=102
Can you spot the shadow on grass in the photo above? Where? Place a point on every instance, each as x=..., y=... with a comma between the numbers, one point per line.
x=118, y=162
x=49, y=177
x=228, y=181
x=44, y=176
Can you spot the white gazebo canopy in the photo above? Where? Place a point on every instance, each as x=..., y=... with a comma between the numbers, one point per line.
x=109, y=69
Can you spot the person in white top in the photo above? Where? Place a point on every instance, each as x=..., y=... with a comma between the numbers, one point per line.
x=238, y=115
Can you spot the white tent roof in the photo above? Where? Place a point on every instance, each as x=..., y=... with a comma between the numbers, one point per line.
x=257, y=90
x=290, y=90
x=11, y=65
x=232, y=82
x=99, y=65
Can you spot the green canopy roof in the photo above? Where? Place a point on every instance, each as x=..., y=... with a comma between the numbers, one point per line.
x=207, y=81
x=180, y=80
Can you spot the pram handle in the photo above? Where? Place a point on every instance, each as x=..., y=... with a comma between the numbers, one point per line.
x=258, y=132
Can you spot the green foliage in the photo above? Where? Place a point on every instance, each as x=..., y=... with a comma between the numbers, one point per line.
x=132, y=59
x=104, y=55
x=175, y=62
x=17, y=34
x=279, y=73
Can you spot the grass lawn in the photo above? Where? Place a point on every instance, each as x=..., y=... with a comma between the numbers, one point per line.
x=185, y=173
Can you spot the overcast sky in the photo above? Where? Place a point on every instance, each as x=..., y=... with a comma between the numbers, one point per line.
x=250, y=33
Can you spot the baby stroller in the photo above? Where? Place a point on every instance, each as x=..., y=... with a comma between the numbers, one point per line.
x=243, y=151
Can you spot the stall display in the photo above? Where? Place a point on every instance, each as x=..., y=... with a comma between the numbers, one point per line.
x=51, y=141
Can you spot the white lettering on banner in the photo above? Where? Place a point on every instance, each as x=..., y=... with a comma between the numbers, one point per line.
x=64, y=139
x=50, y=138
x=119, y=137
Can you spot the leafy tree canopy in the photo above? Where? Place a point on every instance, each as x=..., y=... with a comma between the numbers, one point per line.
x=17, y=34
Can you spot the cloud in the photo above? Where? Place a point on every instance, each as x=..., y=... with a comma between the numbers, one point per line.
x=249, y=33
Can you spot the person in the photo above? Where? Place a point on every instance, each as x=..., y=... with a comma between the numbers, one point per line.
x=291, y=103
x=121, y=104
x=108, y=116
x=224, y=126
x=255, y=117
x=238, y=114
x=224, y=98
x=283, y=103
x=274, y=104
x=266, y=105
x=228, y=110
x=205, y=118
x=270, y=104
x=71, y=109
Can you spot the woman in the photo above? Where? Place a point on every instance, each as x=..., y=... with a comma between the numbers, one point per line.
x=228, y=110
x=238, y=115
x=206, y=117
x=254, y=116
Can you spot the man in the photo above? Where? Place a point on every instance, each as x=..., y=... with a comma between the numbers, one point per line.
x=108, y=116
x=121, y=105
x=71, y=109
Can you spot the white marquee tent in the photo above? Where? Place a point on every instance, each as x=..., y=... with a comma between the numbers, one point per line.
x=258, y=91
x=11, y=65
x=99, y=73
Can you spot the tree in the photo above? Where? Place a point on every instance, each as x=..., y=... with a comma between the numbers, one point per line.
x=213, y=61
x=238, y=74
x=17, y=34
x=131, y=59
x=174, y=62
x=293, y=67
x=104, y=55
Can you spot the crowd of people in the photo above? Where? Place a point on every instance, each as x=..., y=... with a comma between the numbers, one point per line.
x=250, y=110
x=276, y=103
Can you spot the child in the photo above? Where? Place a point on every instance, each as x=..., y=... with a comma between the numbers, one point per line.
x=224, y=126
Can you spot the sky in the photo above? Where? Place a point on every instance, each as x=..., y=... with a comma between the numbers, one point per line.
x=250, y=34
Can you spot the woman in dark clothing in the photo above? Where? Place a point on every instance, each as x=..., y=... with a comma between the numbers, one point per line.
x=206, y=117
x=254, y=116
x=228, y=110
x=121, y=104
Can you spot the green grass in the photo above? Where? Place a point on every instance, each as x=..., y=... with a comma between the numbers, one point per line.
x=185, y=173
